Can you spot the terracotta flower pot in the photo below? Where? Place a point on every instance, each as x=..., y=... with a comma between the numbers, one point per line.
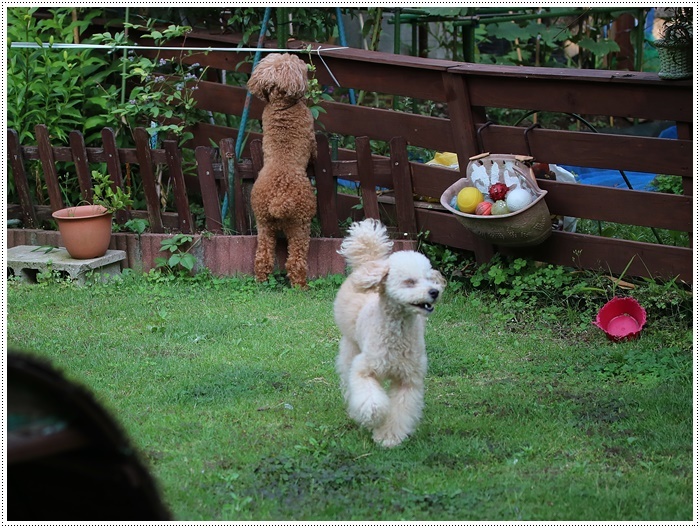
x=85, y=230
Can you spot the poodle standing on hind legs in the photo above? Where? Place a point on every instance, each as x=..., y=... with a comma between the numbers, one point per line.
x=282, y=197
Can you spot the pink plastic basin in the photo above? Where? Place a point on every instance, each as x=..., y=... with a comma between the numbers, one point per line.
x=621, y=318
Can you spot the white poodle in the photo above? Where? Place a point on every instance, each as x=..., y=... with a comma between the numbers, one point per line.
x=381, y=311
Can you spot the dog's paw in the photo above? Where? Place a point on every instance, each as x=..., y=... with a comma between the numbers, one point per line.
x=369, y=412
x=387, y=438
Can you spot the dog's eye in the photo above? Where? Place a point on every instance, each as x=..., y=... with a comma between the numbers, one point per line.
x=409, y=283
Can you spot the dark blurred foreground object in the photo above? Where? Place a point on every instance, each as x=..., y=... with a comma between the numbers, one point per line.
x=67, y=460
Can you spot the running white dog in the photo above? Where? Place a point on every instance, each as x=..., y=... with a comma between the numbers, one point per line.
x=381, y=310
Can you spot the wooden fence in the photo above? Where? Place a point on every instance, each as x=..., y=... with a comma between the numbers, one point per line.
x=470, y=93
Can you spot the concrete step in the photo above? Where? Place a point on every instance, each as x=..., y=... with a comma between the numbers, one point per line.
x=26, y=262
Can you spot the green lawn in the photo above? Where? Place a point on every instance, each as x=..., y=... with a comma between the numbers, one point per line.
x=228, y=389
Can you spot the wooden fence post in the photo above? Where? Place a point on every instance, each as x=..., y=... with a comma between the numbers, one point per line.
x=109, y=143
x=227, y=148
x=82, y=169
x=365, y=171
x=48, y=163
x=182, y=204
x=14, y=151
x=207, y=185
x=143, y=153
x=403, y=187
x=326, y=189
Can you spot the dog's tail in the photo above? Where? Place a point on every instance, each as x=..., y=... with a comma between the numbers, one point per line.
x=367, y=241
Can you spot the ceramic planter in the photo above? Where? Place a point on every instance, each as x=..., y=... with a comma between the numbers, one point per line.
x=85, y=230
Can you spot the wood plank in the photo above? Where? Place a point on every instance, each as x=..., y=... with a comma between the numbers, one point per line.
x=43, y=213
x=19, y=176
x=462, y=120
x=589, y=149
x=143, y=152
x=612, y=255
x=182, y=204
x=210, y=195
x=256, y=155
x=82, y=169
x=609, y=255
x=114, y=168
x=325, y=189
x=236, y=211
x=365, y=168
x=242, y=198
x=384, y=73
x=227, y=99
x=403, y=187
x=581, y=97
x=623, y=206
x=379, y=124
x=48, y=164
x=95, y=154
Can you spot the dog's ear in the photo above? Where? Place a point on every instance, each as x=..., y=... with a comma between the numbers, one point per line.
x=371, y=275
x=437, y=277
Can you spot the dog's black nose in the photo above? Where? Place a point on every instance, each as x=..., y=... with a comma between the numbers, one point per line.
x=434, y=293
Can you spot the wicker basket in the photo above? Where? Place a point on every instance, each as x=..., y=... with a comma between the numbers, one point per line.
x=527, y=227
x=675, y=61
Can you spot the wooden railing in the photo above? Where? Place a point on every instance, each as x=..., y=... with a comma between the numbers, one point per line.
x=469, y=92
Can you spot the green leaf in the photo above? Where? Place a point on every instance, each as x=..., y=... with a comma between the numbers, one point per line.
x=601, y=47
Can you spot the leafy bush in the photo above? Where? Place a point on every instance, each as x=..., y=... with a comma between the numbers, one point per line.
x=57, y=88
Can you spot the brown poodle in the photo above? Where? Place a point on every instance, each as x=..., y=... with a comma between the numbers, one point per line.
x=282, y=197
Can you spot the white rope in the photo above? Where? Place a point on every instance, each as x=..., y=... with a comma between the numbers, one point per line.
x=318, y=50
x=65, y=45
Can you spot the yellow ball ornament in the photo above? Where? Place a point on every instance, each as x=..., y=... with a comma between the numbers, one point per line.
x=468, y=198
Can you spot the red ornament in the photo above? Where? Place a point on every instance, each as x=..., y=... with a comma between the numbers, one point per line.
x=498, y=191
x=483, y=208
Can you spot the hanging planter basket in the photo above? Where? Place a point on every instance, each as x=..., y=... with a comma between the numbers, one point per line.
x=675, y=60
x=528, y=226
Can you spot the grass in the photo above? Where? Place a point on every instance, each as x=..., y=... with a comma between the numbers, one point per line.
x=228, y=389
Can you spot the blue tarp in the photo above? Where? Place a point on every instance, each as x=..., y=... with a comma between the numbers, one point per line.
x=640, y=181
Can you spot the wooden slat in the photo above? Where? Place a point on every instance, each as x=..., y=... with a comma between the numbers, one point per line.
x=376, y=123
x=82, y=169
x=610, y=255
x=114, y=168
x=581, y=97
x=48, y=164
x=95, y=155
x=241, y=200
x=143, y=152
x=325, y=189
x=19, y=175
x=623, y=206
x=589, y=149
x=403, y=187
x=256, y=155
x=182, y=204
x=208, y=189
x=383, y=72
x=365, y=169
x=236, y=201
x=462, y=119
x=593, y=92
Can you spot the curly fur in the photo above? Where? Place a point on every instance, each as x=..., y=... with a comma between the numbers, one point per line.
x=282, y=197
x=381, y=311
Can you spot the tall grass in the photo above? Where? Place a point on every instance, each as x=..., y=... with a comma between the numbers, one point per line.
x=228, y=389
